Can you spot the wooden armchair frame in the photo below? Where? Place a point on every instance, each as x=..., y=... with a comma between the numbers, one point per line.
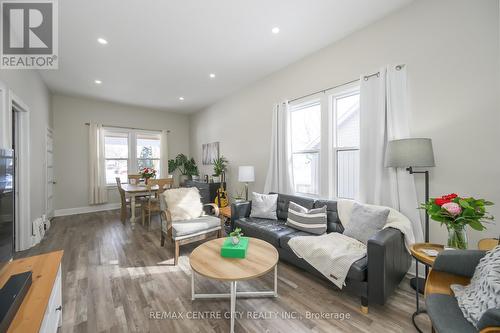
x=165, y=215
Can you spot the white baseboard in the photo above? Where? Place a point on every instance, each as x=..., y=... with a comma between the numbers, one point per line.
x=86, y=209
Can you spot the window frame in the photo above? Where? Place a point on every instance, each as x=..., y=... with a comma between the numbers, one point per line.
x=298, y=106
x=333, y=149
x=132, y=159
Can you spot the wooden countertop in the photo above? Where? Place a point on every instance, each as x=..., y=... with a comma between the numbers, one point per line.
x=44, y=268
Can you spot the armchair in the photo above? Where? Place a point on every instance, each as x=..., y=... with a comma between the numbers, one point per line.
x=189, y=231
x=454, y=267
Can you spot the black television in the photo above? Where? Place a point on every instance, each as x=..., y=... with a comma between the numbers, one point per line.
x=15, y=289
x=7, y=205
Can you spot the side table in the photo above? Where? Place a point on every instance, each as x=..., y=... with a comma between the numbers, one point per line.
x=225, y=217
x=428, y=261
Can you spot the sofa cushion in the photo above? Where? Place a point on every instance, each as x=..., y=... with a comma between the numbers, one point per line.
x=193, y=226
x=309, y=220
x=184, y=203
x=358, y=270
x=268, y=230
x=445, y=314
x=284, y=199
x=264, y=206
x=332, y=217
x=366, y=221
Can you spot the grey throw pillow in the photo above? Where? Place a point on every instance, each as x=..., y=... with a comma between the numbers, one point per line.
x=365, y=221
x=309, y=220
x=264, y=206
x=483, y=292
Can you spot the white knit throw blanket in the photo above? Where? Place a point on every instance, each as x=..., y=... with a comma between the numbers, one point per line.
x=331, y=254
x=483, y=292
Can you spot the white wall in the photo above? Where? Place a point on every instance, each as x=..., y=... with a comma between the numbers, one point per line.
x=71, y=140
x=451, y=48
x=29, y=87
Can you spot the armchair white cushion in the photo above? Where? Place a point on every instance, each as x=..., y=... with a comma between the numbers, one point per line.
x=194, y=227
x=184, y=203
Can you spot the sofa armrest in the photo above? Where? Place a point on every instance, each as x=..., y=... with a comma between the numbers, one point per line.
x=240, y=210
x=491, y=318
x=458, y=262
x=388, y=262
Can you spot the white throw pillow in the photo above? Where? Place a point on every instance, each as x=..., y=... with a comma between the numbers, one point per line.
x=183, y=203
x=264, y=206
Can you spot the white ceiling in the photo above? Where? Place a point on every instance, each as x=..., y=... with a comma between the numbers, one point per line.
x=160, y=50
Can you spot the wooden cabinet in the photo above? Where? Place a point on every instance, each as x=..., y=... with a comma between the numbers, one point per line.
x=41, y=309
x=208, y=191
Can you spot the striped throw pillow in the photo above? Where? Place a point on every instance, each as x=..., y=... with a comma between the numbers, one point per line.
x=309, y=220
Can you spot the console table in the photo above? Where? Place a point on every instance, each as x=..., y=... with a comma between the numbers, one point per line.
x=208, y=191
x=41, y=309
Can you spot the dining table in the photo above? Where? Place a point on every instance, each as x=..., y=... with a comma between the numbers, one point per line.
x=137, y=190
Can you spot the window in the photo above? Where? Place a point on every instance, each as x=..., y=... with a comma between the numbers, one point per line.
x=128, y=151
x=346, y=132
x=148, y=152
x=116, y=155
x=306, y=139
x=325, y=144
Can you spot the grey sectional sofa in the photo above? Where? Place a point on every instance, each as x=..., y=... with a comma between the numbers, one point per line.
x=372, y=278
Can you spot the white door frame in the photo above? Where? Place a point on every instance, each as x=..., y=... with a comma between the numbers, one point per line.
x=49, y=211
x=23, y=225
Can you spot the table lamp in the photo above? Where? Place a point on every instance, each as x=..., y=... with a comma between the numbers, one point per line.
x=246, y=174
x=410, y=153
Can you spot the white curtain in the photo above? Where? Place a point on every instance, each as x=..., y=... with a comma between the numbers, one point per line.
x=164, y=154
x=98, y=192
x=280, y=172
x=384, y=116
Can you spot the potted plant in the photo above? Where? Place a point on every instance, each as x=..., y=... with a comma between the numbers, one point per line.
x=147, y=173
x=220, y=165
x=235, y=236
x=187, y=167
x=456, y=213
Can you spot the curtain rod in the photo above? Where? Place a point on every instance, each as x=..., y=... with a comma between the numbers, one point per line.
x=132, y=128
x=366, y=78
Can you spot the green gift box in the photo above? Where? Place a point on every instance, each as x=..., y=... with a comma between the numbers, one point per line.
x=229, y=250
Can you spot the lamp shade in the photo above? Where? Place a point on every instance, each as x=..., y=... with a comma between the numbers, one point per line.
x=246, y=174
x=405, y=153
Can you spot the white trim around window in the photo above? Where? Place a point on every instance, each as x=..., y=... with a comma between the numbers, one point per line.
x=132, y=160
x=329, y=148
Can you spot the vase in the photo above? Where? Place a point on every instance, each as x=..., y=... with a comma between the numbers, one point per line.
x=235, y=240
x=457, y=237
x=183, y=179
x=216, y=179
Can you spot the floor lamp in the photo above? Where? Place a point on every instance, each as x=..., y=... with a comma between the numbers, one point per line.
x=410, y=153
x=246, y=174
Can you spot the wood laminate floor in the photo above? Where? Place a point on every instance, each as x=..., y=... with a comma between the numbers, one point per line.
x=116, y=279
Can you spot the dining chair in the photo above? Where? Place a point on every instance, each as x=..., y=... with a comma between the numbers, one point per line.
x=125, y=202
x=134, y=177
x=151, y=204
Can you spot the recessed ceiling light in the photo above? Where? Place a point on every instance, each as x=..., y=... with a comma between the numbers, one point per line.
x=97, y=81
x=181, y=98
x=275, y=30
x=102, y=41
x=212, y=75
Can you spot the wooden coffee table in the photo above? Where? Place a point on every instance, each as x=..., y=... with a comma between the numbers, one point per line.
x=261, y=258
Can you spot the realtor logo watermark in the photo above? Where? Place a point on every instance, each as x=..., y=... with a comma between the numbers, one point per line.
x=29, y=34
